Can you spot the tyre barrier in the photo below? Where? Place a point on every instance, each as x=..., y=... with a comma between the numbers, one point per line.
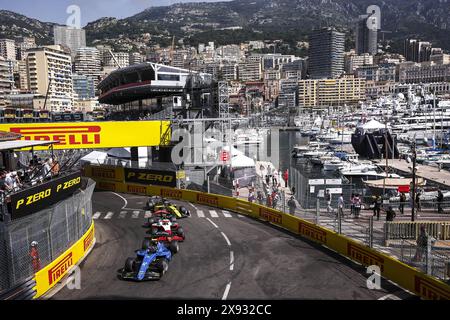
x=24, y=291
x=403, y=275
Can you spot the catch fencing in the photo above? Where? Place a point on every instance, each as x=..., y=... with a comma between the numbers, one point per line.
x=55, y=229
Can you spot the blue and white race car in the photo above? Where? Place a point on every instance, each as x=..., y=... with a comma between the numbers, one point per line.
x=151, y=262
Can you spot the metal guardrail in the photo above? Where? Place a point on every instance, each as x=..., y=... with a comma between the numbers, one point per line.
x=439, y=230
x=24, y=291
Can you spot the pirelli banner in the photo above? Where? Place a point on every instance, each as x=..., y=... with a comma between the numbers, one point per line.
x=43, y=195
x=49, y=276
x=151, y=177
x=94, y=135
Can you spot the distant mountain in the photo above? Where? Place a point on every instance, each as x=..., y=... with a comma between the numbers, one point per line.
x=14, y=25
x=242, y=20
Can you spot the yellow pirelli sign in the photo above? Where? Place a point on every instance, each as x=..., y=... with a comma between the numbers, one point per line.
x=49, y=276
x=93, y=135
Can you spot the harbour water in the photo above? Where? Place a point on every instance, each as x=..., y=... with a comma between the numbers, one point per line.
x=302, y=172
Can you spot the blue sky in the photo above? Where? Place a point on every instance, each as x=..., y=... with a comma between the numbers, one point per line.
x=55, y=10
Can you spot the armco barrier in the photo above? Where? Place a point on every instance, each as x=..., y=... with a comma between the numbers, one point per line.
x=49, y=276
x=405, y=276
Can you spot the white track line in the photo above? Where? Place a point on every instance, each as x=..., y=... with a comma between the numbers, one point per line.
x=226, y=239
x=125, y=200
x=200, y=214
x=147, y=214
x=122, y=214
x=96, y=215
x=231, y=260
x=226, y=214
x=390, y=297
x=213, y=213
x=193, y=206
x=240, y=216
x=135, y=215
x=215, y=225
x=227, y=290
x=109, y=215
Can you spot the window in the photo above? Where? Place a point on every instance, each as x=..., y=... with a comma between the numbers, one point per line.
x=168, y=77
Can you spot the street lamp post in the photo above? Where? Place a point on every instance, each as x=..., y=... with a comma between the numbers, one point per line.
x=413, y=206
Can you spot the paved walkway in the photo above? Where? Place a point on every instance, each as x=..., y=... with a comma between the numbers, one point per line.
x=423, y=171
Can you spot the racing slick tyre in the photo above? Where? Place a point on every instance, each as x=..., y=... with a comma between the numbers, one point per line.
x=180, y=232
x=174, y=247
x=162, y=265
x=130, y=265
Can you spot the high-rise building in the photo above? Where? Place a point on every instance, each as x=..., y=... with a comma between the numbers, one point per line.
x=417, y=51
x=115, y=59
x=366, y=38
x=249, y=71
x=326, y=53
x=352, y=61
x=87, y=62
x=22, y=76
x=8, y=49
x=50, y=68
x=22, y=47
x=83, y=86
x=71, y=38
x=6, y=79
x=331, y=92
x=136, y=58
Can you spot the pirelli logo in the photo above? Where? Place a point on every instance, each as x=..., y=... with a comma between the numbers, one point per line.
x=428, y=290
x=56, y=273
x=65, y=135
x=312, y=232
x=88, y=240
x=174, y=194
x=107, y=186
x=364, y=257
x=137, y=189
x=271, y=215
x=103, y=173
x=208, y=200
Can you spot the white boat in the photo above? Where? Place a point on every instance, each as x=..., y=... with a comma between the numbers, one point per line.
x=334, y=165
x=392, y=183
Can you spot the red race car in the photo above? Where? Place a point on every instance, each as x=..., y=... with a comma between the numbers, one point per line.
x=166, y=230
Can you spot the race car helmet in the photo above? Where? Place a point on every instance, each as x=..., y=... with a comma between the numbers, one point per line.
x=183, y=210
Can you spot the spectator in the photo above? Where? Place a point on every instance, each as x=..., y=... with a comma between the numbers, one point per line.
x=352, y=204
x=440, y=199
x=328, y=200
x=260, y=197
x=422, y=244
x=377, y=207
x=275, y=200
x=356, y=205
x=418, y=204
x=341, y=205
x=286, y=178
x=3, y=185
x=35, y=260
x=269, y=200
x=293, y=190
x=251, y=196
x=390, y=214
x=401, y=207
x=55, y=167
x=292, y=205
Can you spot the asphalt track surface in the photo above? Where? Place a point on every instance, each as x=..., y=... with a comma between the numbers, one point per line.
x=225, y=256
